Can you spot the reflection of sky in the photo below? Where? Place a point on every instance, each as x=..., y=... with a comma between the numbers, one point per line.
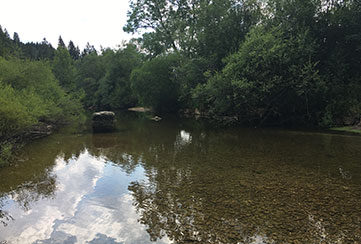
x=91, y=205
x=183, y=138
x=258, y=239
x=186, y=136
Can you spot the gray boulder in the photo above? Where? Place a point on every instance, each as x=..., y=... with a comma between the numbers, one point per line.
x=104, y=121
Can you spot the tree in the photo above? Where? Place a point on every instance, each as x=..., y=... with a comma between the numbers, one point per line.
x=89, y=49
x=29, y=92
x=6, y=43
x=154, y=84
x=38, y=51
x=16, y=38
x=61, y=43
x=89, y=70
x=115, y=87
x=204, y=28
x=63, y=68
x=221, y=26
x=73, y=51
x=46, y=50
x=267, y=70
x=157, y=15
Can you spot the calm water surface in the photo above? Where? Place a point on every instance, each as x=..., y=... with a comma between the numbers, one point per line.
x=180, y=181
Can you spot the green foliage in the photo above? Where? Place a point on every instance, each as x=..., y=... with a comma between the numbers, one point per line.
x=15, y=48
x=188, y=74
x=105, y=78
x=347, y=129
x=153, y=44
x=339, y=55
x=221, y=26
x=88, y=50
x=214, y=97
x=160, y=16
x=61, y=43
x=89, y=70
x=291, y=69
x=267, y=70
x=5, y=43
x=15, y=112
x=274, y=62
x=63, y=68
x=114, y=88
x=6, y=153
x=154, y=83
x=73, y=51
x=29, y=93
x=211, y=29
x=38, y=51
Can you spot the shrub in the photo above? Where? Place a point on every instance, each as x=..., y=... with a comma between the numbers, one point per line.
x=6, y=153
x=154, y=84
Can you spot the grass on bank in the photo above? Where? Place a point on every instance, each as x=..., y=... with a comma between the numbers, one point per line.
x=351, y=129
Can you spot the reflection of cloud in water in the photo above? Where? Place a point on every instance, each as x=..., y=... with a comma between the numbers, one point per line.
x=183, y=138
x=258, y=239
x=80, y=212
x=186, y=136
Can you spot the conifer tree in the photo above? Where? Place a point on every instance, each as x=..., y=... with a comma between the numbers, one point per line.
x=61, y=43
x=73, y=51
x=16, y=38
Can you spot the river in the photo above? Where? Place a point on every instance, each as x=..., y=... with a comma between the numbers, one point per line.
x=183, y=181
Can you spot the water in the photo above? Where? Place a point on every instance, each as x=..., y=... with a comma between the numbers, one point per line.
x=183, y=181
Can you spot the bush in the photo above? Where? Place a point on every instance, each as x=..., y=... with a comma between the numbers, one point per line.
x=17, y=113
x=268, y=69
x=5, y=153
x=29, y=93
x=154, y=84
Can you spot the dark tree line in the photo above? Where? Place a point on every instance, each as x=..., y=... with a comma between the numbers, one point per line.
x=266, y=62
x=281, y=62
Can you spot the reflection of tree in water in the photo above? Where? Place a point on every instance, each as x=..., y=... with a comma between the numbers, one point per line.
x=41, y=186
x=4, y=215
x=33, y=179
x=221, y=194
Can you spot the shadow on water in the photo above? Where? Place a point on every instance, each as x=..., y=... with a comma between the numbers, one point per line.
x=181, y=181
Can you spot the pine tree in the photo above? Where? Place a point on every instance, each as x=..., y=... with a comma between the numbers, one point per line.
x=16, y=38
x=73, y=51
x=6, y=44
x=61, y=43
x=89, y=49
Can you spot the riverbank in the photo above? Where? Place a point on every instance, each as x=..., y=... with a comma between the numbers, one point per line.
x=351, y=129
x=12, y=144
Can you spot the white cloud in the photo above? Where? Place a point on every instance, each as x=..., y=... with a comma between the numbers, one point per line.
x=99, y=22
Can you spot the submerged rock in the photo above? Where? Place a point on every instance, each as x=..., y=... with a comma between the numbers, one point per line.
x=104, y=121
x=140, y=109
x=156, y=118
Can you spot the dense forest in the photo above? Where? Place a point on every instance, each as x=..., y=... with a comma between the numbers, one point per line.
x=263, y=62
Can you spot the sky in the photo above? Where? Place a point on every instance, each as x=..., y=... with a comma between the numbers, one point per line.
x=99, y=22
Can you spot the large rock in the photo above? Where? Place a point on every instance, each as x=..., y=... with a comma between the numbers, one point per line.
x=104, y=121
